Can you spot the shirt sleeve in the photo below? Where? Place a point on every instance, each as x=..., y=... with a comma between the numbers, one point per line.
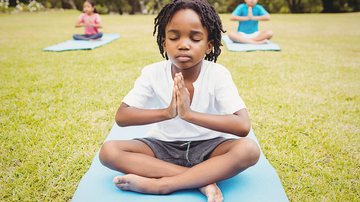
x=81, y=17
x=261, y=10
x=97, y=19
x=238, y=10
x=142, y=92
x=227, y=96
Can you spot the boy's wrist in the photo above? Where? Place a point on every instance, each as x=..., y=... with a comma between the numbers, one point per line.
x=168, y=113
x=187, y=116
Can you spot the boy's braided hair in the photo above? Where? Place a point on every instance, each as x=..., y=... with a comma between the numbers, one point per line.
x=208, y=16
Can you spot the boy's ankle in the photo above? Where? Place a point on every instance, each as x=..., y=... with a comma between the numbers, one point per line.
x=164, y=186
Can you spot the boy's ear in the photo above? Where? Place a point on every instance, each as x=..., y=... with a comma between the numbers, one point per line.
x=164, y=45
x=210, y=46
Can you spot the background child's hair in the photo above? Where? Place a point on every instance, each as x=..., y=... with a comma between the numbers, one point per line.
x=92, y=3
x=208, y=16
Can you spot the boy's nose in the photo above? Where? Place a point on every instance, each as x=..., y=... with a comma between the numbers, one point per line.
x=184, y=44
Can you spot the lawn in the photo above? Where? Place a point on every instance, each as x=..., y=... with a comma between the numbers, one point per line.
x=57, y=108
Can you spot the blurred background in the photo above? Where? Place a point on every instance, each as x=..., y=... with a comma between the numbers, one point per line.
x=152, y=6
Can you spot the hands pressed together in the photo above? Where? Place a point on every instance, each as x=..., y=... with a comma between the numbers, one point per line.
x=250, y=13
x=180, y=102
x=88, y=23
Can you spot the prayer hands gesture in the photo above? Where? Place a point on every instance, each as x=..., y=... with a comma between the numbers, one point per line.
x=88, y=23
x=250, y=13
x=180, y=102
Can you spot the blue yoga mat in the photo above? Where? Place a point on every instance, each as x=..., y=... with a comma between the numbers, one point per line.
x=82, y=45
x=259, y=183
x=234, y=46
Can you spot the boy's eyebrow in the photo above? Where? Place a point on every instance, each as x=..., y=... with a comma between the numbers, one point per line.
x=192, y=32
x=173, y=30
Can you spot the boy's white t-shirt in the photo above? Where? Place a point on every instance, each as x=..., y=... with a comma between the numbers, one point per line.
x=214, y=93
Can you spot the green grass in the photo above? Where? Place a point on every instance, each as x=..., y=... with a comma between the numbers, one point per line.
x=57, y=108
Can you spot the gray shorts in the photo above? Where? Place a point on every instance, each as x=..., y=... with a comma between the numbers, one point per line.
x=183, y=153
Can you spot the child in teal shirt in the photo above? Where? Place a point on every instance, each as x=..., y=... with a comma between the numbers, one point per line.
x=249, y=14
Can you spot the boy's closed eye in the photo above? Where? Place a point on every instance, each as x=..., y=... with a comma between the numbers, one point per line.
x=193, y=38
x=173, y=34
x=173, y=38
x=196, y=38
x=194, y=35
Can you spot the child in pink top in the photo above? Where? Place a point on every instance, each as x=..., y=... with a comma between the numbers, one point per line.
x=90, y=20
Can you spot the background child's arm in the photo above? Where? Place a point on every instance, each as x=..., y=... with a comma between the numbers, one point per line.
x=264, y=17
x=239, y=18
x=96, y=25
x=97, y=22
x=261, y=18
x=79, y=23
x=257, y=18
x=238, y=15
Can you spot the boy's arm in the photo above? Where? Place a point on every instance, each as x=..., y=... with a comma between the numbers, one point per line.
x=237, y=124
x=128, y=116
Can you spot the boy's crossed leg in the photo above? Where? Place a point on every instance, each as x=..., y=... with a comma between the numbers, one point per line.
x=151, y=175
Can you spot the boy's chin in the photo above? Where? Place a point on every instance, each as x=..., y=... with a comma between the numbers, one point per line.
x=182, y=66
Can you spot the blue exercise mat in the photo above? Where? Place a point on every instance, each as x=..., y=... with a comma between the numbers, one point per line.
x=234, y=46
x=82, y=45
x=259, y=183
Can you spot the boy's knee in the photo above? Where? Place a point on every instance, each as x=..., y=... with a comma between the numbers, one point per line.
x=254, y=151
x=106, y=151
x=251, y=150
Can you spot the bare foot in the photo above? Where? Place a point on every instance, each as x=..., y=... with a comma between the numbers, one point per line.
x=212, y=192
x=139, y=184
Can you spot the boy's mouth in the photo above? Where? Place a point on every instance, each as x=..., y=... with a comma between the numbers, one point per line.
x=183, y=58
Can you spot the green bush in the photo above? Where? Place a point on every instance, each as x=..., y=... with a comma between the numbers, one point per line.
x=35, y=6
x=102, y=9
x=4, y=6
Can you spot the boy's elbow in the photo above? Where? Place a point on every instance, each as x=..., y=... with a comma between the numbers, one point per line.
x=120, y=121
x=120, y=117
x=244, y=129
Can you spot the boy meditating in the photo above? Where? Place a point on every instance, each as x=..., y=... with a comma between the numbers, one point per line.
x=195, y=108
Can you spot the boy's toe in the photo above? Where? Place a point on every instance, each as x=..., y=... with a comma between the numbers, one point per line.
x=119, y=180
